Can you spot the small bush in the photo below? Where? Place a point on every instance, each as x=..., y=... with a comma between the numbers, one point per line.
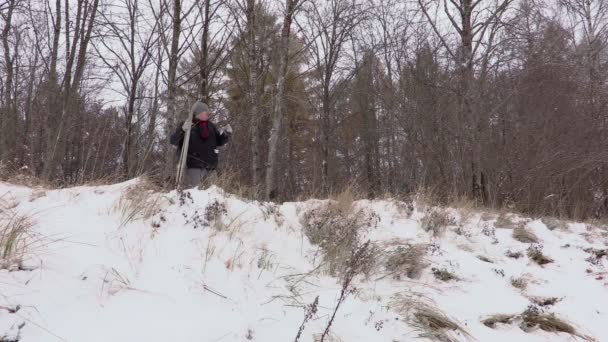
x=545, y=301
x=407, y=260
x=553, y=223
x=522, y=234
x=429, y=320
x=519, y=283
x=336, y=230
x=535, y=253
x=443, y=274
x=487, y=216
x=436, y=222
x=504, y=221
x=214, y=213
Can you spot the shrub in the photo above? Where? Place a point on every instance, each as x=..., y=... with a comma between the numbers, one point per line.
x=436, y=222
x=522, y=234
x=407, y=260
x=336, y=230
x=443, y=274
x=535, y=253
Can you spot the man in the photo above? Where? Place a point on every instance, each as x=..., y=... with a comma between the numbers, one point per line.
x=202, y=148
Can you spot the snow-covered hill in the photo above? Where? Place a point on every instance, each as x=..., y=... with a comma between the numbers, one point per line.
x=123, y=263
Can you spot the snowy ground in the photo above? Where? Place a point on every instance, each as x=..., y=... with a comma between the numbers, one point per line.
x=92, y=273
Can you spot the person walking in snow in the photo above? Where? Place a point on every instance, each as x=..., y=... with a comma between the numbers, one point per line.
x=205, y=138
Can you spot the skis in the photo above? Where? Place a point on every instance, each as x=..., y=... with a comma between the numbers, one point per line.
x=181, y=166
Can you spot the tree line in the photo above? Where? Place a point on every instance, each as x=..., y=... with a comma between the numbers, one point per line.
x=502, y=102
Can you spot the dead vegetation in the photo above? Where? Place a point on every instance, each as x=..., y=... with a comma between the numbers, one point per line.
x=545, y=301
x=552, y=223
x=408, y=260
x=520, y=283
x=140, y=201
x=336, y=227
x=524, y=235
x=15, y=236
x=534, y=318
x=214, y=212
x=504, y=220
x=428, y=319
x=535, y=253
x=436, y=222
x=443, y=274
x=491, y=321
x=514, y=255
x=485, y=259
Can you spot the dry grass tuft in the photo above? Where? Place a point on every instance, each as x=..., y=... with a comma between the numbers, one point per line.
x=519, y=283
x=336, y=227
x=408, y=260
x=444, y=275
x=14, y=233
x=524, y=235
x=139, y=202
x=545, y=301
x=429, y=320
x=436, y=222
x=491, y=321
x=514, y=255
x=553, y=223
x=16, y=238
x=485, y=259
x=535, y=253
x=532, y=319
x=504, y=221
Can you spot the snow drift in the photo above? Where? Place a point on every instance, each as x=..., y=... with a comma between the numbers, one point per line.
x=125, y=263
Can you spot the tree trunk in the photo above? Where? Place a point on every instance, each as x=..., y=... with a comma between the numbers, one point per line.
x=279, y=100
x=172, y=81
x=253, y=94
x=7, y=126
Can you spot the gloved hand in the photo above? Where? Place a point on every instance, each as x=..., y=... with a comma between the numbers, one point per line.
x=187, y=125
x=228, y=129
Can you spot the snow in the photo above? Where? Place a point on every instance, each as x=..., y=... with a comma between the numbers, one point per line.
x=91, y=275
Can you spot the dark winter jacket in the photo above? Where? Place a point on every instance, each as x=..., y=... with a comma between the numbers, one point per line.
x=202, y=153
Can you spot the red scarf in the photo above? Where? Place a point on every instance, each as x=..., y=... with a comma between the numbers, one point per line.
x=205, y=130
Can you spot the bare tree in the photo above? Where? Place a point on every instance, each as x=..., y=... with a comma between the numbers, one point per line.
x=74, y=70
x=290, y=9
x=329, y=27
x=8, y=119
x=471, y=22
x=128, y=47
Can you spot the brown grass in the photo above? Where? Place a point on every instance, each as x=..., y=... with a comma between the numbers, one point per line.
x=408, y=260
x=524, y=235
x=504, y=221
x=335, y=227
x=535, y=254
x=429, y=320
x=532, y=319
x=519, y=283
x=553, y=223
x=436, y=222
x=491, y=321
x=139, y=202
x=16, y=238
